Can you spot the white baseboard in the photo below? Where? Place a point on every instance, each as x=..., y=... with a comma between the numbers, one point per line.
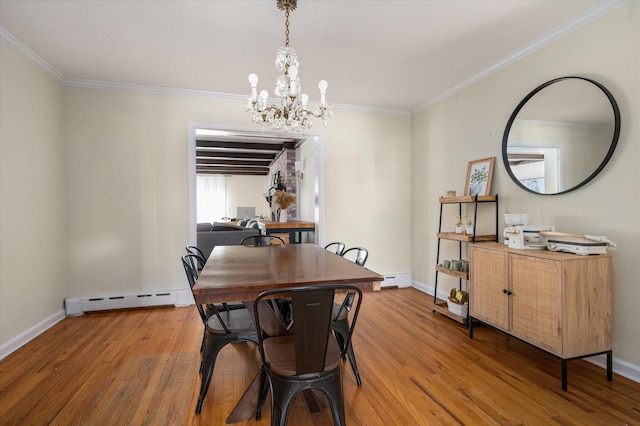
x=620, y=366
x=429, y=290
x=30, y=334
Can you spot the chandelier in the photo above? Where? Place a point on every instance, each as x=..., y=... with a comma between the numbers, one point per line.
x=293, y=112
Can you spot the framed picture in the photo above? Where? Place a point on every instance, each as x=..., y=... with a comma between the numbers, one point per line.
x=479, y=174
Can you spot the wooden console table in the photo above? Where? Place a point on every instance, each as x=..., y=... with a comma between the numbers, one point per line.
x=294, y=228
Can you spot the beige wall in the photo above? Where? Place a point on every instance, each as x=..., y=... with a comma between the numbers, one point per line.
x=469, y=125
x=368, y=187
x=32, y=197
x=246, y=191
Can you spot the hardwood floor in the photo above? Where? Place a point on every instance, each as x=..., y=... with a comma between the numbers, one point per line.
x=140, y=367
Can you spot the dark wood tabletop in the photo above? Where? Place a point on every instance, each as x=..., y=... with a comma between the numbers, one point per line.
x=241, y=273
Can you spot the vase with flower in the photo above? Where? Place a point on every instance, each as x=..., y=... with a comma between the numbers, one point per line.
x=283, y=200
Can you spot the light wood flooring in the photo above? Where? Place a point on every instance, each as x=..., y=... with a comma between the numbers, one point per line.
x=140, y=367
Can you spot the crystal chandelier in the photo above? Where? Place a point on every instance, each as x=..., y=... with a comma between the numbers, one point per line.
x=292, y=113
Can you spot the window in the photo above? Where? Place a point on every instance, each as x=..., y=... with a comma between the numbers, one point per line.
x=211, y=198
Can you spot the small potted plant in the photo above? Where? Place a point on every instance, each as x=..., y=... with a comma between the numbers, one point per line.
x=458, y=302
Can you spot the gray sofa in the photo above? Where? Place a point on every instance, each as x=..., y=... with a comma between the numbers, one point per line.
x=221, y=234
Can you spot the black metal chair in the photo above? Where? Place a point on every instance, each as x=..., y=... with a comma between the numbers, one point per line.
x=198, y=261
x=261, y=240
x=339, y=247
x=302, y=355
x=220, y=329
x=361, y=255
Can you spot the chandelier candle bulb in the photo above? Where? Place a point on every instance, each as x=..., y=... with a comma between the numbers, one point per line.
x=253, y=80
x=322, y=85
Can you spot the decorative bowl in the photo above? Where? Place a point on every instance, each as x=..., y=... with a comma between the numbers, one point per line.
x=516, y=219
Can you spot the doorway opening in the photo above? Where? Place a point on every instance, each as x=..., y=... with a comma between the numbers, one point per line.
x=239, y=148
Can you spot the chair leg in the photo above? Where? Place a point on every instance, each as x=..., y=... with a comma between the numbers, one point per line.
x=262, y=394
x=336, y=399
x=280, y=402
x=212, y=347
x=354, y=365
x=341, y=329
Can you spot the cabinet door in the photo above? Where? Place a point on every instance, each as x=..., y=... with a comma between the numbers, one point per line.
x=536, y=301
x=487, y=283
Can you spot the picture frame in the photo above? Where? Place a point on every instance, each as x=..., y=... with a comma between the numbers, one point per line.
x=479, y=175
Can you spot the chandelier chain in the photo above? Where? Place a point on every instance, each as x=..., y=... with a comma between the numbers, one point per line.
x=286, y=24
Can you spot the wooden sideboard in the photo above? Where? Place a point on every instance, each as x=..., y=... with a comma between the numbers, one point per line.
x=558, y=302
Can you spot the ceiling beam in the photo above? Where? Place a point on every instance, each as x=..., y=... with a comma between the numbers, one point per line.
x=232, y=154
x=234, y=161
x=266, y=146
x=222, y=171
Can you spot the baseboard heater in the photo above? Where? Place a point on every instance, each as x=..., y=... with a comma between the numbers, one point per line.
x=80, y=305
x=397, y=280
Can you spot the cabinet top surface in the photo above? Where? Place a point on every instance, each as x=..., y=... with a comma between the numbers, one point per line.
x=554, y=255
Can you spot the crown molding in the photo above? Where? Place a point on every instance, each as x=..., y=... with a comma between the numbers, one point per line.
x=7, y=38
x=578, y=22
x=155, y=90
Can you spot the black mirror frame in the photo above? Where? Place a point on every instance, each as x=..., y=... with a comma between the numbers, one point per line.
x=612, y=147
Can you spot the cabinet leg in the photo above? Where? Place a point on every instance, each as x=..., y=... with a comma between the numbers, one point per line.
x=564, y=374
x=470, y=328
x=610, y=365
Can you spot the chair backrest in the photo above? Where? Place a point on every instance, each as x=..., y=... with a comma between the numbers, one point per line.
x=345, y=307
x=339, y=247
x=361, y=255
x=312, y=308
x=261, y=240
x=201, y=258
x=188, y=261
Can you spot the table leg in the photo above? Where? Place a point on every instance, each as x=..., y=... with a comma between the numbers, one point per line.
x=246, y=407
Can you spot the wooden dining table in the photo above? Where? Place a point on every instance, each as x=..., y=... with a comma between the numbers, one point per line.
x=240, y=273
x=234, y=273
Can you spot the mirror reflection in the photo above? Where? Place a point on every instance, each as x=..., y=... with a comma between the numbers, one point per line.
x=561, y=135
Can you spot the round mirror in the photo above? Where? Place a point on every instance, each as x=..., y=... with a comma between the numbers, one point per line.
x=561, y=135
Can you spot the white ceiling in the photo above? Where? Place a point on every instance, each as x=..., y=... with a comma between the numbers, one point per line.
x=398, y=55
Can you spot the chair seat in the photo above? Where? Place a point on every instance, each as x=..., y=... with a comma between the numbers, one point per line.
x=236, y=320
x=279, y=352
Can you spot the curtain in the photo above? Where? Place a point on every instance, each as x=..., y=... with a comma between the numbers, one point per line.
x=211, y=198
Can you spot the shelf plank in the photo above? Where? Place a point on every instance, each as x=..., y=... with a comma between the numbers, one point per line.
x=467, y=199
x=458, y=274
x=441, y=307
x=466, y=238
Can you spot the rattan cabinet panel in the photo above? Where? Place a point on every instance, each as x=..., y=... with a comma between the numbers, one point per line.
x=489, y=271
x=536, y=300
